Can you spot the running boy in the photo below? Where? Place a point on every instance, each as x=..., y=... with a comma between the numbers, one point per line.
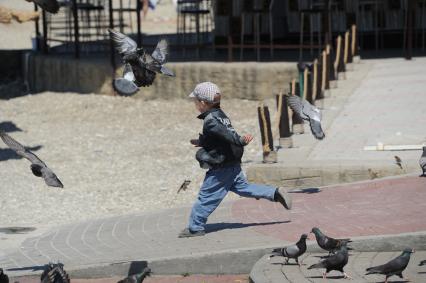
x=221, y=152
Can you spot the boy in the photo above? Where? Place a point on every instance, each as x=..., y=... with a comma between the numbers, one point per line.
x=221, y=152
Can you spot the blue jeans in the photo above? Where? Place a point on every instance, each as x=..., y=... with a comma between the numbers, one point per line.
x=217, y=183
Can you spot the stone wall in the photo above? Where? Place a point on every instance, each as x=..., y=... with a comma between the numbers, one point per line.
x=237, y=80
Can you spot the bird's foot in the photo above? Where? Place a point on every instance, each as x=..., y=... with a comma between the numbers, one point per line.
x=324, y=275
x=346, y=276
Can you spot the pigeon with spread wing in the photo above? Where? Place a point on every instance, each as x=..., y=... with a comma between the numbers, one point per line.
x=38, y=167
x=51, y=6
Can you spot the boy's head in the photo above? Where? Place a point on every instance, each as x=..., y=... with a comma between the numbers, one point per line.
x=206, y=96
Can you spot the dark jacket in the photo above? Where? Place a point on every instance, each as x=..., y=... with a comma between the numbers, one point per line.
x=221, y=145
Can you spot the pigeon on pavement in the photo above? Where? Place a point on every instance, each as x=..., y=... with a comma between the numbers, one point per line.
x=54, y=273
x=327, y=243
x=422, y=162
x=3, y=277
x=334, y=262
x=38, y=167
x=307, y=112
x=137, y=278
x=393, y=267
x=143, y=66
x=51, y=6
x=293, y=251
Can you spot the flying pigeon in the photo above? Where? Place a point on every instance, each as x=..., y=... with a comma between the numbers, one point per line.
x=293, y=251
x=393, y=267
x=137, y=278
x=38, y=167
x=54, y=273
x=334, y=262
x=51, y=6
x=3, y=277
x=423, y=262
x=184, y=186
x=398, y=161
x=327, y=243
x=307, y=112
x=422, y=162
x=143, y=65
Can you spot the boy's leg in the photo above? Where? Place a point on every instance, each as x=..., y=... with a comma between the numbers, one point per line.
x=245, y=189
x=215, y=187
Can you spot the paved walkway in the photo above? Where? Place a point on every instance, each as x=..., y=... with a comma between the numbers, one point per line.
x=380, y=101
x=272, y=271
x=388, y=206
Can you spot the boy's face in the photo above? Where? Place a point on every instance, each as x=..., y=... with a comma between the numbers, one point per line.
x=201, y=106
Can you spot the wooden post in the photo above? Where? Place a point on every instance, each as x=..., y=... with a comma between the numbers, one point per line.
x=316, y=81
x=339, y=64
x=331, y=73
x=76, y=30
x=269, y=155
x=139, y=23
x=300, y=68
x=283, y=121
x=346, y=58
x=355, y=47
x=324, y=73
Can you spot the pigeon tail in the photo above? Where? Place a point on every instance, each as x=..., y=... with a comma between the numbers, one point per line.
x=167, y=72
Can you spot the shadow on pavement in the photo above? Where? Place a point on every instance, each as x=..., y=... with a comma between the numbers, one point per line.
x=8, y=127
x=305, y=191
x=214, y=227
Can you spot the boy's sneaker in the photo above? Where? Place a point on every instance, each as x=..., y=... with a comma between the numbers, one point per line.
x=283, y=197
x=186, y=233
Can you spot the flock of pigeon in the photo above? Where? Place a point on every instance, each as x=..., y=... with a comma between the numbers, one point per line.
x=140, y=70
x=338, y=256
x=55, y=273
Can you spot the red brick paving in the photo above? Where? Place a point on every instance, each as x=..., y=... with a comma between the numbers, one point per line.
x=159, y=279
x=390, y=206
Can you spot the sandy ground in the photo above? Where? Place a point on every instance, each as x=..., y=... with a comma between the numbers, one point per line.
x=114, y=155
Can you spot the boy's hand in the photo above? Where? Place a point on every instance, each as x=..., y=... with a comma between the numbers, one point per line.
x=195, y=142
x=247, y=138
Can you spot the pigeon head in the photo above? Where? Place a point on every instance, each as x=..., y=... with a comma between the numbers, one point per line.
x=316, y=231
x=407, y=251
x=304, y=237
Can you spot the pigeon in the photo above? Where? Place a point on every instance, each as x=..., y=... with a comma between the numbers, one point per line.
x=38, y=167
x=423, y=262
x=398, y=161
x=334, y=262
x=137, y=278
x=327, y=243
x=142, y=67
x=293, y=251
x=54, y=273
x=422, y=162
x=3, y=277
x=51, y=6
x=393, y=267
x=307, y=112
x=184, y=186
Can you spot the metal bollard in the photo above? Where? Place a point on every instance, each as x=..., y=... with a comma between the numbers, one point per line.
x=269, y=155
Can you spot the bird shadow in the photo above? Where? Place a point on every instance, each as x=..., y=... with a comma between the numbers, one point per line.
x=421, y=272
x=328, y=277
x=9, y=126
x=287, y=264
x=215, y=227
x=305, y=191
x=26, y=268
x=7, y=153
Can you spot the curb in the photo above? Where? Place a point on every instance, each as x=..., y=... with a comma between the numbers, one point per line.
x=240, y=261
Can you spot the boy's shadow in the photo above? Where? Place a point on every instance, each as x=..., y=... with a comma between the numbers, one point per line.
x=214, y=227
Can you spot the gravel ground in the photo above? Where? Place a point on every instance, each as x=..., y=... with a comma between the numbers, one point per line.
x=114, y=155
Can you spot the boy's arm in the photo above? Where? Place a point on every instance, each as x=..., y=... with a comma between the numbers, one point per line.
x=220, y=131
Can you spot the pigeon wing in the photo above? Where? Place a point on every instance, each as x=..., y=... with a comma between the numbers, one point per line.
x=394, y=266
x=50, y=178
x=295, y=103
x=51, y=6
x=161, y=51
x=291, y=251
x=316, y=129
x=124, y=44
x=20, y=149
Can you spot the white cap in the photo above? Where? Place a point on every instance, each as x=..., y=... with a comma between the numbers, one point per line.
x=206, y=91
